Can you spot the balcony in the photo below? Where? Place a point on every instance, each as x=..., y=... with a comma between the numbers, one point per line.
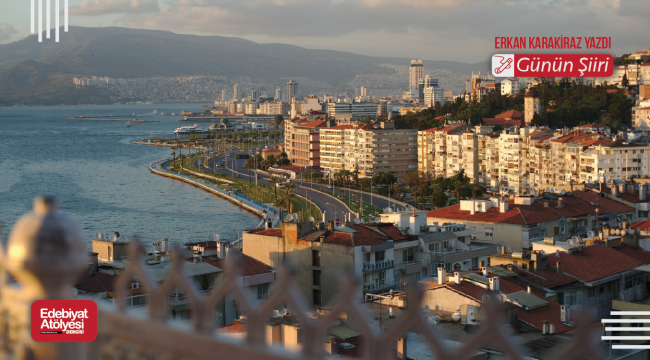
x=180, y=298
x=378, y=285
x=377, y=265
x=422, y=263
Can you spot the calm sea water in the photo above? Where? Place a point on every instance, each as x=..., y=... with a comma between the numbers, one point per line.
x=101, y=179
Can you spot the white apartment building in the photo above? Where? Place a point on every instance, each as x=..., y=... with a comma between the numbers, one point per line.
x=510, y=87
x=433, y=95
x=273, y=108
x=416, y=73
x=357, y=109
x=380, y=150
x=432, y=148
x=332, y=152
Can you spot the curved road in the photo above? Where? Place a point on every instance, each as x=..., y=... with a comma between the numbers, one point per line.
x=330, y=206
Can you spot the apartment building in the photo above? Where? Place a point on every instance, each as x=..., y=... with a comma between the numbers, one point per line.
x=357, y=109
x=432, y=148
x=532, y=105
x=510, y=87
x=305, y=143
x=380, y=149
x=519, y=220
x=332, y=148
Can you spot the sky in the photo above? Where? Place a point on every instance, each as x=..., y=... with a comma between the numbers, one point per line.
x=458, y=30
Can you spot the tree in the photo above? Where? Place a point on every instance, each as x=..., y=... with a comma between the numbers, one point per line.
x=365, y=183
x=288, y=188
x=523, y=122
x=249, y=165
x=174, y=155
x=275, y=181
x=279, y=119
x=625, y=83
x=439, y=199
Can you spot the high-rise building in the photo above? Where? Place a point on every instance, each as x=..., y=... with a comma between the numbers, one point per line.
x=278, y=95
x=292, y=90
x=224, y=93
x=416, y=73
x=255, y=94
x=237, y=92
x=364, y=91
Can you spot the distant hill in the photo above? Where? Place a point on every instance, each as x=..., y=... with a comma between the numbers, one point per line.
x=134, y=53
x=35, y=83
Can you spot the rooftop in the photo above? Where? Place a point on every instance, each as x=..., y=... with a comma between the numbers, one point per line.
x=593, y=262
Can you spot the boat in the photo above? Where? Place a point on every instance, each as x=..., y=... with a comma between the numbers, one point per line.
x=162, y=113
x=186, y=130
x=173, y=114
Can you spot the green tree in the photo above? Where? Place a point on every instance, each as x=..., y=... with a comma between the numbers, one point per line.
x=625, y=83
x=275, y=181
x=279, y=120
x=174, y=155
x=439, y=199
x=248, y=165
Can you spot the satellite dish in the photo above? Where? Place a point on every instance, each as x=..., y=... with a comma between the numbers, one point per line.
x=311, y=218
x=117, y=234
x=485, y=298
x=98, y=236
x=576, y=240
x=562, y=192
x=377, y=220
x=114, y=238
x=282, y=311
x=106, y=236
x=570, y=242
x=289, y=218
x=427, y=308
x=386, y=209
x=295, y=217
x=357, y=221
x=363, y=221
x=548, y=189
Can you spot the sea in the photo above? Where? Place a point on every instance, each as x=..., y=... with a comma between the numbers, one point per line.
x=101, y=179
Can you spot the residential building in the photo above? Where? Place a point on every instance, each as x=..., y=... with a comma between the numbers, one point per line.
x=324, y=254
x=224, y=95
x=433, y=95
x=363, y=92
x=641, y=120
x=237, y=92
x=380, y=149
x=520, y=220
x=304, y=140
x=292, y=90
x=278, y=95
x=416, y=73
x=510, y=87
x=356, y=109
x=432, y=148
x=332, y=148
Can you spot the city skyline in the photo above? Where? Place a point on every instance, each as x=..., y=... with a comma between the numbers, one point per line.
x=410, y=36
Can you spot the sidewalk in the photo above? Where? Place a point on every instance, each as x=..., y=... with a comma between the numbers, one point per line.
x=264, y=211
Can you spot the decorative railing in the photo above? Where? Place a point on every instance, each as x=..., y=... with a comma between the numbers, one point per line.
x=46, y=253
x=377, y=265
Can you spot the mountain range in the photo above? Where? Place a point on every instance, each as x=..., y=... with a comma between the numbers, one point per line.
x=135, y=53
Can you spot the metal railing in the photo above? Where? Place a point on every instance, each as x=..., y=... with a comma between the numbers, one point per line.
x=377, y=265
x=48, y=253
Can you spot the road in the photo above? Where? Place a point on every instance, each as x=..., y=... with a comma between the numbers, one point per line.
x=330, y=206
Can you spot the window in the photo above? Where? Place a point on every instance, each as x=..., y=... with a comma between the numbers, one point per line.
x=263, y=291
x=366, y=257
x=542, y=233
x=316, y=276
x=573, y=297
x=407, y=255
x=317, y=297
x=433, y=247
x=488, y=233
x=379, y=255
x=315, y=258
x=591, y=292
x=448, y=267
x=424, y=273
x=475, y=263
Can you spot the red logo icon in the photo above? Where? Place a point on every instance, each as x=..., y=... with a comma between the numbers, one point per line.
x=64, y=320
x=504, y=64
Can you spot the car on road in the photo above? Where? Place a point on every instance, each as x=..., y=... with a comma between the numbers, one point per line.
x=329, y=186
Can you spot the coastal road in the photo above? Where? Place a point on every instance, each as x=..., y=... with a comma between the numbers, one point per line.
x=332, y=207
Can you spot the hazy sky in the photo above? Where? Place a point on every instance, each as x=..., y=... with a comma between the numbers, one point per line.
x=461, y=30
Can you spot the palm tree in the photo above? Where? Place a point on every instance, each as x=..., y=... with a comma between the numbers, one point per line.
x=288, y=187
x=275, y=181
x=248, y=165
x=174, y=155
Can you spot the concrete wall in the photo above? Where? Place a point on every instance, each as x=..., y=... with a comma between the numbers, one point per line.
x=445, y=299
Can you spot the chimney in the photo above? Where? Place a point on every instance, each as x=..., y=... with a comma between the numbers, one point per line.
x=415, y=230
x=558, y=268
x=621, y=188
x=545, y=203
x=401, y=348
x=457, y=277
x=484, y=271
x=503, y=207
x=473, y=209
x=482, y=264
x=630, y=188
x=528, y=289
x=551, y=328
x=565, y=313
x=642, y=192
x=494, y=283
x=545, y=327
x=164, y=245
x=441, y=276
x=614, y=190
x=560, y=203
x=331, y=345
x=222, y=250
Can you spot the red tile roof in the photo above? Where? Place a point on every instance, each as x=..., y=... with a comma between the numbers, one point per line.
x=514, y=215
x=267, y=232
x=236, y=328
x=548, y=278
x=535, y=318
x=609, y=205
x=452, y=127
x=393, y=232
x=316, y=124
x=510, y=114
x=502, y=122
x=639, y=254
x=643, y=225
x=249, y=267
x=363, y=231
x=593, y=263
